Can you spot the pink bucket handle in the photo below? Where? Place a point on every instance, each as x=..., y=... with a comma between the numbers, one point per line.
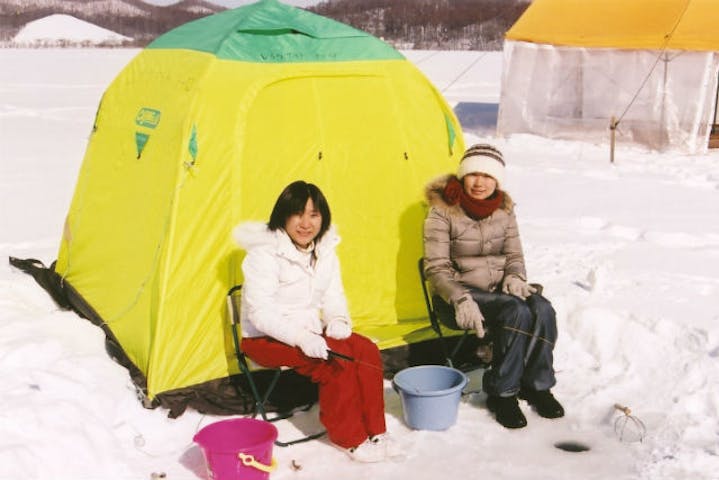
x=249, y=461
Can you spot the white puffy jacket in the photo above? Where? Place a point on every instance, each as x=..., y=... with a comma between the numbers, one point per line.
x=282, y=295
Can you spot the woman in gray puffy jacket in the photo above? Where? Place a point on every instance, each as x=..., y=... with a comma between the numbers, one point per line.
x=474, y=262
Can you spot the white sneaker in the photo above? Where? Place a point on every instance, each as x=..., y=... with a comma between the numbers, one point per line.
x=391, y=447
x=367, y=452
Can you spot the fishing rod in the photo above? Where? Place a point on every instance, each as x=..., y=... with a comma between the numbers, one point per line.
x=349, y=358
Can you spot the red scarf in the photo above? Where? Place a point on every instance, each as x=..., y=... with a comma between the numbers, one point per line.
x=477, y=209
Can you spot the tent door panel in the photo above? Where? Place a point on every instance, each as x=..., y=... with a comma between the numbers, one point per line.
x=341, y=133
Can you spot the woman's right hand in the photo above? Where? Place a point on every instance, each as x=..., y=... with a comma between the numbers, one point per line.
x=313, y=345
x=468, y=316
x=514, y=285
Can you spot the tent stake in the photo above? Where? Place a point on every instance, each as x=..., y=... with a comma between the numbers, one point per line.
x=613, y=129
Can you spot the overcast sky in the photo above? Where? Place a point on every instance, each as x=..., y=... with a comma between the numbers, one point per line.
x=237, y=3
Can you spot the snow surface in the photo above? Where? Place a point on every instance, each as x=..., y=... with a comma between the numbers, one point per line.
x=73, y=30
x=628, y=254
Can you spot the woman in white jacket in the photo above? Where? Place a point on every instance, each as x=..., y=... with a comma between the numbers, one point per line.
x=294, y=313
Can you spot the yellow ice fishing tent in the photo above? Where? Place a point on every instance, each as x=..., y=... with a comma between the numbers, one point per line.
x=570, y=66
x=200, y=132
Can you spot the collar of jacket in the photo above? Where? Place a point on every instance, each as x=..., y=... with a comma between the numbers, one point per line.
x=434, y=189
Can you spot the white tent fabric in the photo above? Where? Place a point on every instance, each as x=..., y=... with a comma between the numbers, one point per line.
x=662, y=99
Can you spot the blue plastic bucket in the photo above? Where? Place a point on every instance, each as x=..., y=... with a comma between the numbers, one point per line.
x=430, y=395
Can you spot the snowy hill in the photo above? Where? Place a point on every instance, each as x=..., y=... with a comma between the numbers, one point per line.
x=65, y=30
x=135, y=19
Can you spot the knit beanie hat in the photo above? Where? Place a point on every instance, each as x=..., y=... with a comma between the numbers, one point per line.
x=482, y=158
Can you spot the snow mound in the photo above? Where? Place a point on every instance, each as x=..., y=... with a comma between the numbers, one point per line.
x=65, y=29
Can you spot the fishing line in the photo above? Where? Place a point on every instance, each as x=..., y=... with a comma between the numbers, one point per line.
x=517, y=330
x=348, y=358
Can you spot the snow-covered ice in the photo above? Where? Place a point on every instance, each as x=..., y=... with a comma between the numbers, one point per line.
x=628, y=253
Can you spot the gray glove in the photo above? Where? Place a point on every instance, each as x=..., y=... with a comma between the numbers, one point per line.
x=513, y=285
x=313, y=345
x=468, y=316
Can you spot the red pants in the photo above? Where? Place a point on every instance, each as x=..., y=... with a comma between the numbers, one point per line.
x=351, y=394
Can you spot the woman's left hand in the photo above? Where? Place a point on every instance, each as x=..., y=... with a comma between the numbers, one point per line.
x=514, y=285
x=338, y=328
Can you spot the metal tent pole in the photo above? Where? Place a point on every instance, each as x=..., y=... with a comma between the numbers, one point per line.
x=715, y=126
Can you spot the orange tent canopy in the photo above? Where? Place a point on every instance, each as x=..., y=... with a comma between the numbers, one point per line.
x=624, y=24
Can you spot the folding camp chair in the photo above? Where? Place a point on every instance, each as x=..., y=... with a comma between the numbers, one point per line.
x=441, y=314
x=260, y=399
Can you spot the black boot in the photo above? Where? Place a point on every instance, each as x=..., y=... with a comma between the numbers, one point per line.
x=507, y=412
x=544, y=402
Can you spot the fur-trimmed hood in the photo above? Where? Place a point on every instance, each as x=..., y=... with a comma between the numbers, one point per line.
x=250, y=235
x=285, y=295
x=461, y=252
x=433, y=192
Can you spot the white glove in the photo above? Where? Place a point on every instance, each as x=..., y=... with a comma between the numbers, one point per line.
x=514, y=285
x=313, y=345
x=468, y=316
x=338, y=328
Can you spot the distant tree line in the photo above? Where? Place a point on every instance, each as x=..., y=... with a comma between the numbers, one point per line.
x=430, y=24
x=419, y=24
x=132, y=18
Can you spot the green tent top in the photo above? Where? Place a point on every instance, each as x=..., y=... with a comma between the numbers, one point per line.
x=271, y=32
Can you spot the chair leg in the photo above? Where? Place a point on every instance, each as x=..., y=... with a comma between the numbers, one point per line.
x=307, y=438
x=261, y=400
x=443, y=345
x=457, y=347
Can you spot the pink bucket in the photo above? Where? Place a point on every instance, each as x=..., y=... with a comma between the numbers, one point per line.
x=238, y=449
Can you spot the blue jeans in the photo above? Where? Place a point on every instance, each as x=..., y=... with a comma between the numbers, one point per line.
x=523, y=334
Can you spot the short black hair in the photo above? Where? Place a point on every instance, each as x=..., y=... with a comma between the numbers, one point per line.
x=292, y=201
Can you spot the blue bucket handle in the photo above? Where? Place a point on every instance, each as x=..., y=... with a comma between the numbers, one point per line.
x=465, y=378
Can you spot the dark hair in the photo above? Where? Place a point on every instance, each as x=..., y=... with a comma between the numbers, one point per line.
x=292, y=201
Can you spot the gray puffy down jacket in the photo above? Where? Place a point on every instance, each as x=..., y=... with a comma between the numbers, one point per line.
x=461, y=252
